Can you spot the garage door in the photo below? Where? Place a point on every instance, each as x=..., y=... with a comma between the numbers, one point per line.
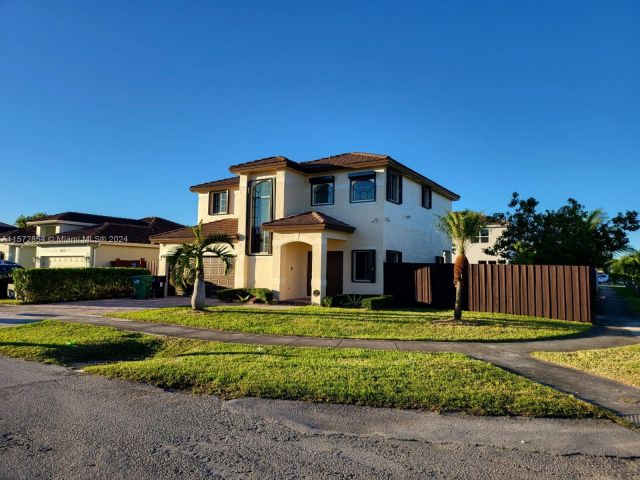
x=63, y=262
x=214, y=275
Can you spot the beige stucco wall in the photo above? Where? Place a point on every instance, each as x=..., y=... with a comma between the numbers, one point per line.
x=203, y=206
x=475, y=251
x=105, y=253
x=412, y=229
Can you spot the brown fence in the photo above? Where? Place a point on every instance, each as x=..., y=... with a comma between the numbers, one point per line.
x=552, y=291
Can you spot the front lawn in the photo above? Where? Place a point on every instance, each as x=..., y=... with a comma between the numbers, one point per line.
x=431, y=381
x=618, y=363
x=408, y=324
x=62, y=343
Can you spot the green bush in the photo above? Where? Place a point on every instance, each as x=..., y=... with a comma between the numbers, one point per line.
x=41, y=285
x=263, y=295
x=328, y=302
x=377, y=303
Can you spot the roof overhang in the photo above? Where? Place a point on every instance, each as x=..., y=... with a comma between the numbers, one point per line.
x=306, y=228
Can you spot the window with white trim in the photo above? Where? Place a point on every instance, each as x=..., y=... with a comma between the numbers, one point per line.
x=483, y=236
x=394, y=187
x=219, y=202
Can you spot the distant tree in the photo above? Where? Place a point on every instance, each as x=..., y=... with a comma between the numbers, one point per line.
x=571, y=235
x=186, y=262
x=461, y=227
x=21, y=221
x=626, y=269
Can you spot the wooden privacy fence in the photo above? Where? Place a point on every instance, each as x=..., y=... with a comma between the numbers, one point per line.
x=551, y=291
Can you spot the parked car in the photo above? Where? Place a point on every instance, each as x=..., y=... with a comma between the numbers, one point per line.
x=603, y=277
x=6, y=268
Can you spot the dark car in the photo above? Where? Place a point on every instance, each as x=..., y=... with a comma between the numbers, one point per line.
x=5, y=276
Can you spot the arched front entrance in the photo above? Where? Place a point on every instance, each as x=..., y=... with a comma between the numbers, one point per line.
x=295, y=272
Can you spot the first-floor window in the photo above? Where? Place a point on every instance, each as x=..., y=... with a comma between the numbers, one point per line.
x=363, y=266
x=394, y=256
x=218, y=202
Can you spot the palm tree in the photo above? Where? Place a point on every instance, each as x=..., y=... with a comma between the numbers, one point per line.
x=461, y=227
x=186, y=262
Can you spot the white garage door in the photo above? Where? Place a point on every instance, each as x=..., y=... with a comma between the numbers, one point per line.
x=63, y=262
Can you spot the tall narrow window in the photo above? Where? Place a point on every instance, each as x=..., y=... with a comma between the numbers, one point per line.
x=394, y=187
x=363, y=187
x=261, y=211
x=363, y=266
x=322, y=189
x=427, y=197
x=219, y=202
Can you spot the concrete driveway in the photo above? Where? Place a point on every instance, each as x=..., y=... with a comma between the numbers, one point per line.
x=59, y=423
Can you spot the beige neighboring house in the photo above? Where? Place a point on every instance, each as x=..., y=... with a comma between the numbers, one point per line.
x=311, y=229
x=80, y=240
x=487, y=238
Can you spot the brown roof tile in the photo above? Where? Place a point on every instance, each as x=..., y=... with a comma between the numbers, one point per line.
x=227, y=226
x=225, y=182
x=9, y=236
x=263, y=162
x=311, y=219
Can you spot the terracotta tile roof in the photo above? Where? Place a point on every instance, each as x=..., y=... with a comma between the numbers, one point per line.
x=91, y=218
x=263, y=162
x=122, y=230
x=225, y=182
x=345, y=160
x=309, y=220
x=5, y=227
x=228, y=226
x=9, y=236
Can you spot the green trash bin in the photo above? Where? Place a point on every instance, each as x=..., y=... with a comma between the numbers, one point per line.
x=142, y=286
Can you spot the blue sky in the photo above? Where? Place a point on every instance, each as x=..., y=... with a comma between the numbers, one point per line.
x=117, y=107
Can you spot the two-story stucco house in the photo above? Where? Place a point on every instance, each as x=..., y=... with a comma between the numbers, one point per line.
x=486, y=239
x=310, y=229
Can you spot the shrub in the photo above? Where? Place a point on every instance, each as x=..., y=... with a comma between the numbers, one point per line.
x=328, y=302
x=377, y=303
x=230, y=294
x=40, y=285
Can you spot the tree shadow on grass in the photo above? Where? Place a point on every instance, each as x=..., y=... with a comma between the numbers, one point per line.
x=238, y=353
x=93, y=351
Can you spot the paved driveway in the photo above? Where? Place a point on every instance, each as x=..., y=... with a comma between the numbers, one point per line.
x=58, y=423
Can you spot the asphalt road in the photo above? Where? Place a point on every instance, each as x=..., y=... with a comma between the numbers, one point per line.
x=58, y=423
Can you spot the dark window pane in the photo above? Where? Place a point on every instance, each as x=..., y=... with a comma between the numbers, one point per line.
x=363, y=190
x=322, y=193
x=260, y=213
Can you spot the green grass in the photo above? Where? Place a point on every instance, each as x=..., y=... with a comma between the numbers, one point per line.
x=619, y=363
x=57, y=342
x=409, y=324
x=9, y=301
x=430, y=381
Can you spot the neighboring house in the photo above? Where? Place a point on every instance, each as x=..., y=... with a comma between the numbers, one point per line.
x=310, y=229
x=78, y=240
x=11, y=243
x=487, y=238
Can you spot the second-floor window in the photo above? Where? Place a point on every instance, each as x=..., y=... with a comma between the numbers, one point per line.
x=261, y=211
x=219, y=202
x=363, y=187
x=322, y=190
x=427, y=197
x=394, y=186
x=483, y=236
